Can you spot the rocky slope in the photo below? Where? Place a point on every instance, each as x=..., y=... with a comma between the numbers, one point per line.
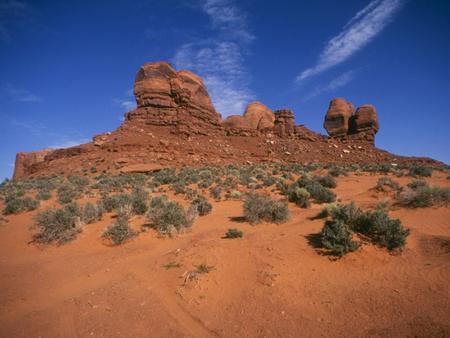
x=176, y=124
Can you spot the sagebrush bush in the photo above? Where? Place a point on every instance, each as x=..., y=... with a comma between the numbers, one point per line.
x=318, y=192
x=16, y=205
x=381, y=229
x=67, y=193
x=119, y=231
x=58, y=225
x=337, y=238
x=91, y=213
x=216, y=192
x=139, y=200
x=234, y=233
x=420, y=170
x=337, y=171
x=202, y=205
x=299, y=196
x=168, y=216
x=384, y=182
x=418, y=194
x=327, y=181
x=259, y=208
x=375, y=225
x=44, y=195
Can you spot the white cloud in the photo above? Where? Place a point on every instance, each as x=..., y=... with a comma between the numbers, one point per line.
x=68, y=143
x=227, y=17
x=333, y=85
x=21, y=95
x=357, y=33
x=126, y=103
x=220, y=61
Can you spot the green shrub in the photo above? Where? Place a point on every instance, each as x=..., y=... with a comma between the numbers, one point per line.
x=234, y=233
x=327, y=181
x=420, y=170
x=111, y=203
x=337, y=238
x=92, y=213
x=419, y=194
x=381, y=229
x=16, y=205
x=318, y=192
x=119, y=231
x=299, y=196
x=375, y=225
x=139, y=198
x=384, y=182
x=234, y=195
x=202, y=205
x=216, y=192
x=259, y=208
x=58, y=225
x=169, y=216
x=44, y=195
x=337, y=171
x=67, y=193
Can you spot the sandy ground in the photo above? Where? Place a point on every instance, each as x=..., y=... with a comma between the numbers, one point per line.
x=270, y=283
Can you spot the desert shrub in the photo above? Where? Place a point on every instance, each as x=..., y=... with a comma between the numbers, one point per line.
x=91, y=213
x=381, y=229
x=113, y=202
x=204, y=268
x=375, y=225
x=318, y=192
x=234, y=233
x=336, y=171
x=119, y=231
x=202, y=205
x=216, y=192
x=328, y=210
x=299, y=196
x=139, y=198
x=259, y=208
x=58, y=225
x=169, y=216
x=337, y=238
x=420, y=170
x=327, y=181
x=67, y=193
x=384, y=182
x=178, y=187
x=15, y=205
x=79, y=182
x=416, y=184
x=44, y=194
x=418, y=194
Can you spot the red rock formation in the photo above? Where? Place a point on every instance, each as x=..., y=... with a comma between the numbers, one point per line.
x=25, y=162
x=337, y=117
x=166, y=97
x=175, y=124
x=364, y=124
x=259, y=116
x=284, y=123
x=237, y=122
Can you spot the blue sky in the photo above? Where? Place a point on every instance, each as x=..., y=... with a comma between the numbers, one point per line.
x=67, y=67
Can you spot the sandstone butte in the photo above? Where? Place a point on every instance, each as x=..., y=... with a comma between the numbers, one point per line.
x=175, y=124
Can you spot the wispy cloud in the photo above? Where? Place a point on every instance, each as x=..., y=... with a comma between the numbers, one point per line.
x=21, y=95
x=220, y=60
x=332, y=86
x=57, y=139
x=11, y=13
x=357, y=33
x=127, y=103
x=68, y=143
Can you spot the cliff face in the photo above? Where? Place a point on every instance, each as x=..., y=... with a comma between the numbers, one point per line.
x=176, y=124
